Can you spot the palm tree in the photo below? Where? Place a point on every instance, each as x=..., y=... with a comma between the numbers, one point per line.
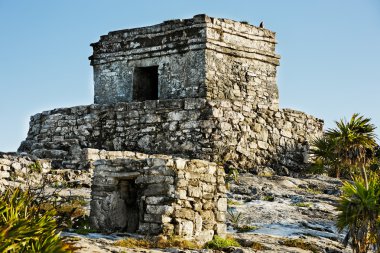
x=359, y=208
x=353, y=141
x=323, y=151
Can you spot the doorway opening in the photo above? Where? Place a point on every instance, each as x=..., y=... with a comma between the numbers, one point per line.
x=145, y=83
x=128, y=194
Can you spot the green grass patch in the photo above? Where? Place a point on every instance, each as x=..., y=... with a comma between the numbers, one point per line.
x=314, y=191
x=161, y=243
x=85, y=231
x=245, y=228
x=232, y=202
x=268, y=198
x=134, y=243
x=219, y=243
x=302, y=204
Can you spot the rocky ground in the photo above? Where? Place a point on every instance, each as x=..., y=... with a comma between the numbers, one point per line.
x=266, y=214
x=285, y=211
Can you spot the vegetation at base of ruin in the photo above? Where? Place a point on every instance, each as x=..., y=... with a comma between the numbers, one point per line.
x=299, y=243
x=134, y=243
x=176, y=242
x=268, y=198
x=256, y=246
x=313, y=191
x=348, y=151
x=230, y=167
x=232, y=202
x=220, y=243
x=35, y=167
x=234, y=216
x=69, y=211
x=232, y=175
x=85, y=231
x=24, y=227
x=160, y=242
x=359, y=208
x=302, y=204
x=351, y=145
x=245, y=228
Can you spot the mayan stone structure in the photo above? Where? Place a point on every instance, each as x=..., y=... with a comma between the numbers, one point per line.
x=157, y=194
x=195, y=89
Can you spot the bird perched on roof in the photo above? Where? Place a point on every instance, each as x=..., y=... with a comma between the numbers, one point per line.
x=261, y=24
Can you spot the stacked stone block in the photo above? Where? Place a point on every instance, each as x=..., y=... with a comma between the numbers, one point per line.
x=174, y=196
x=197, y=128
x=202, y=57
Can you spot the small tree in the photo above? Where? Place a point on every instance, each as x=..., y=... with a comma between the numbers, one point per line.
x=348, y=145
x=353, y=140
x=323, y=150
x=359, y=208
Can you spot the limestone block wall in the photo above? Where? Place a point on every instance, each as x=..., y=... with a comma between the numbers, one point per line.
x=178, y=77
x=25, y=171
x=241, y=79
x=173, y=46
x=202, y=57
x=241, y=63
x=159, y=194
x=196, y=128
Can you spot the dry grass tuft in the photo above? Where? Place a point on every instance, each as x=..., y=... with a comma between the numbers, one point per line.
x=162, y=243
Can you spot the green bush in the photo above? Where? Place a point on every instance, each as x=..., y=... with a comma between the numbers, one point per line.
x=219, y=243
x=245, y=228
x=24, y=227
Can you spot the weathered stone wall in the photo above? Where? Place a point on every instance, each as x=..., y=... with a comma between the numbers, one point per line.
x=241, y=63
x=28, y=171
x=178, y=77
x=211, y=130
x=155, y=194
x=202, y=57
x=174, y=46
x=241, y=79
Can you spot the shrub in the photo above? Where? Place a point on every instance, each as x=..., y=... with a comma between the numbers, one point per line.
x=24, y=227
x=245, y=228
x=268, y=198
x=219, y=243
x=35, y=167
x=234, y=217
x=68, y=210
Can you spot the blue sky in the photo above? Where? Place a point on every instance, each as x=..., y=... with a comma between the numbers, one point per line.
x=330, y=65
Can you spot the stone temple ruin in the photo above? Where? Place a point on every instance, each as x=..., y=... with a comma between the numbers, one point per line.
x=173, y=102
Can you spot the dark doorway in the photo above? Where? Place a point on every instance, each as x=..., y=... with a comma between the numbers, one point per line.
x=145, y=83
x=128, y=193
